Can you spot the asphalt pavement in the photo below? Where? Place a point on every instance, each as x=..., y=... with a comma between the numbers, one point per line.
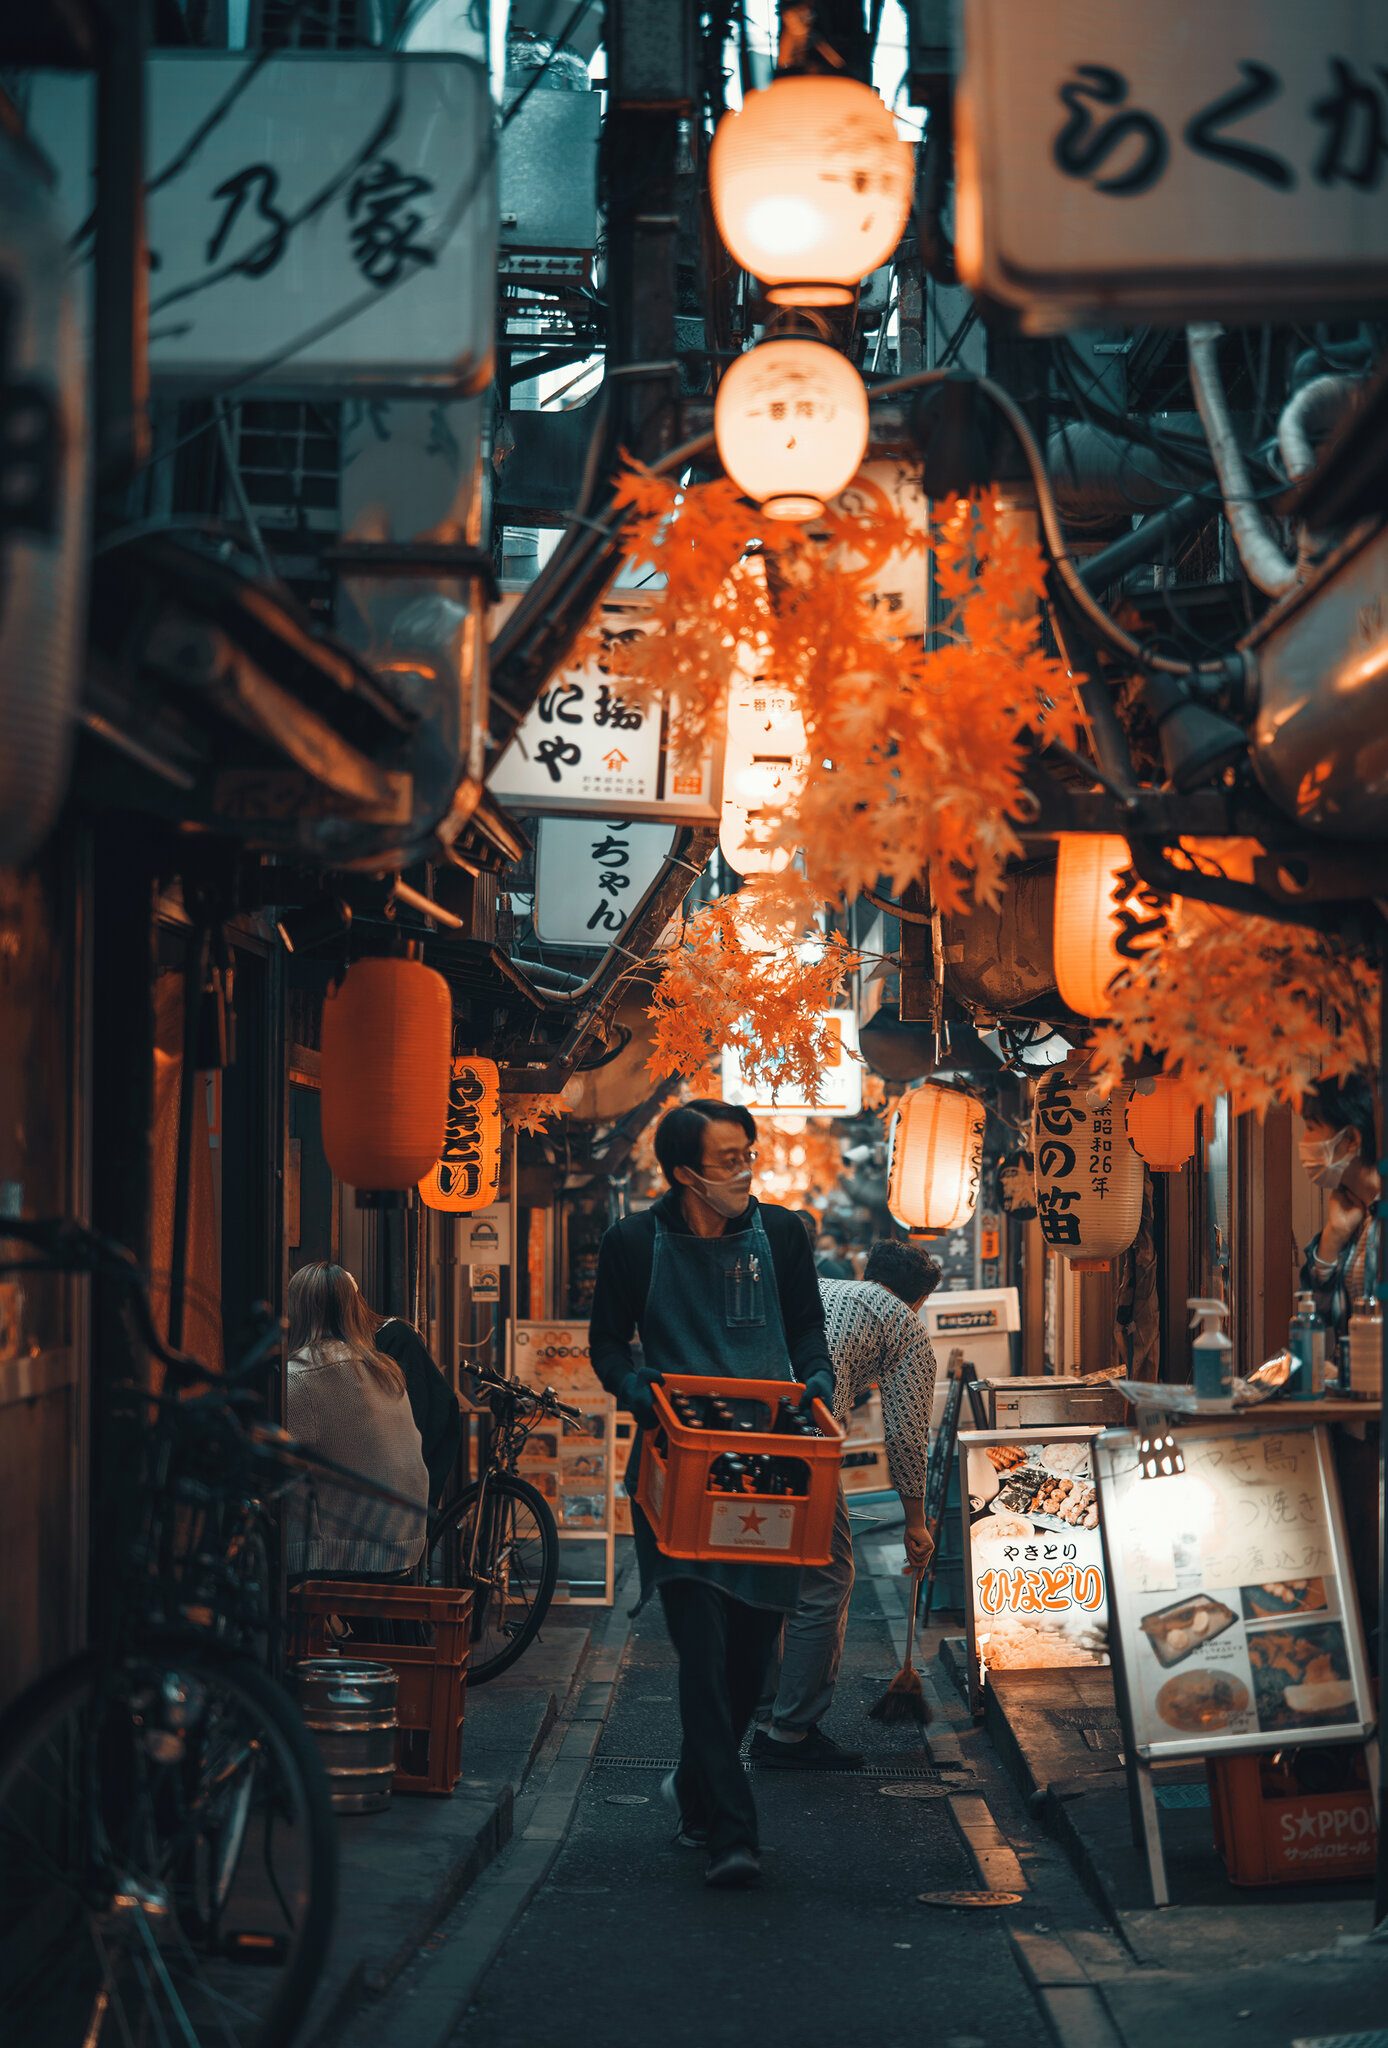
x=623, y=1944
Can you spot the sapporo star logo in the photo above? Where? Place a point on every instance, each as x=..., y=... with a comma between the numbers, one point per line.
x=753, y=1523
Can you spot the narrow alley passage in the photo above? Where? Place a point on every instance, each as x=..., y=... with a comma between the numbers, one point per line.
x=623, y=1944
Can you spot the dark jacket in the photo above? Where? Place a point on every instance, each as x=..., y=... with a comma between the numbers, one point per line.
x=1332, y=1289
x=432, y=1401
x=624, y=1279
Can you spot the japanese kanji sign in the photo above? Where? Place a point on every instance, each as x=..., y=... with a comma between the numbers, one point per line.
x=331, y=216
x=585, y=747
x=468, y=1172
x=590, y=873
x=1173, y=162
x=1233, y=1593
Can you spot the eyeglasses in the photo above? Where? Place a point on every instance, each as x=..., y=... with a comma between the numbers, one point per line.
x=733, y=1162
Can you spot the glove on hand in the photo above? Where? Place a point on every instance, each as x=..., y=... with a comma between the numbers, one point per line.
x=634, y=1394
x=818, y=1387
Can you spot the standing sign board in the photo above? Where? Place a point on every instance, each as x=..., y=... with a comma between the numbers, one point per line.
x=1173, y=163
x=333, y=218
x=585, y=747
x=590, y=874
x=1035, y=1586
x=575, y=1473
x=1236, y=1621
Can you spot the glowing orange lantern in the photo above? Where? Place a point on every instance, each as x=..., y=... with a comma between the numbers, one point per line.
x=1161, y=1124
x=1106, y=918
x=387, y=1036
x=936, y=1158
x=1088, y=1177
x=467, y=1172
x=811, y=187
x=791, y=422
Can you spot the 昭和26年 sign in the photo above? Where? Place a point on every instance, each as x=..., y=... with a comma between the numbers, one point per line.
x=1172, y=163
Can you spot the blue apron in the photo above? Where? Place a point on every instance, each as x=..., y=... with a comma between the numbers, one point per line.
x=713, y=1307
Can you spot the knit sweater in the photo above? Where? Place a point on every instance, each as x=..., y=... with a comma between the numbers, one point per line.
x=337, y=1409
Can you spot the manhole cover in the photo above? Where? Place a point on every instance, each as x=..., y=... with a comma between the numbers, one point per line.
x=918, y=1791
x=626, y=1799
x=970, y=1899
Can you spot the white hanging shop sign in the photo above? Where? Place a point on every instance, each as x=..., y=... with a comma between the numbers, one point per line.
x=764, y=767
x=840, y=1085
x=333, y=218
x=1173, y=163
x=590, y=873
x=587, y=747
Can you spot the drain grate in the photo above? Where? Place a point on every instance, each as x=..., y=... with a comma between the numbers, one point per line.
x=1083, y=1717
x=1175, y=1797
x=1375, y=2040
x=924, y=1772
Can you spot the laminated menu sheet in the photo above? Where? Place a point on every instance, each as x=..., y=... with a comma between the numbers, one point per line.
x=1231, y=1590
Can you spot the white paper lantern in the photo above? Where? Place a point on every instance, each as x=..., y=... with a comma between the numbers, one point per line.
x=764, y=765
x=936, y=1158
x=1088, y=1176
x=811, y=187
x=896, y=587
x=791, y=422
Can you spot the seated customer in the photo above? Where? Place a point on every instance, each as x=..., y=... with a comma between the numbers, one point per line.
x=347, y=1402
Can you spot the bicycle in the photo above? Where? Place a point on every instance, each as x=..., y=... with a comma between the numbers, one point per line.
x=499, y=1535
x=168, y=1847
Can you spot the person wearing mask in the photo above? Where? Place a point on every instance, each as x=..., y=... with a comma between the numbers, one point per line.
x=347, y=1401
x=1339, y=1152
x=831, y=1261
x=712, y=1281
x=875, y=1338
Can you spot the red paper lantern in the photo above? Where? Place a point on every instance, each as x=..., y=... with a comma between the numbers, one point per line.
x=387, y=1038
x=1161, y=1124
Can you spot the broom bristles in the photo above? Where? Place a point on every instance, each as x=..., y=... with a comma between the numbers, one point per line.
x=902, y=1701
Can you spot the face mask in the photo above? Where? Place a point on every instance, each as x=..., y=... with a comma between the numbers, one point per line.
x=728, y=1197
x=1319, y=1157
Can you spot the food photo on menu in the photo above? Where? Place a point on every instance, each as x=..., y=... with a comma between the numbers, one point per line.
x=1039, y=1595
x=1244, y=1661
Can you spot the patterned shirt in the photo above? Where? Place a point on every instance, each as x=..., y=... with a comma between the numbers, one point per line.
x=874, y=1338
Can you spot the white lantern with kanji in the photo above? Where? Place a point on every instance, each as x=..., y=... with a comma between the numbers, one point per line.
x=791, y=423
x=1089, y=1179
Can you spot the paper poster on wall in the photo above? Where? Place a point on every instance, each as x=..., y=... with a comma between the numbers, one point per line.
x=1233, y=1594
x=1036, y=1588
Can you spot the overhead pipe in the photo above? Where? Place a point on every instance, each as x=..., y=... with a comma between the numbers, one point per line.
x=1265, y=565
x=1309, y=416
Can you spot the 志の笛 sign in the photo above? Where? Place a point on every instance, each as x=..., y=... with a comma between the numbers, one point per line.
x=1036, y=1595
x=467, y=1173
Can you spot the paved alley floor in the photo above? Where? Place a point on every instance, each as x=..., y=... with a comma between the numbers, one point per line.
x=623, y=1945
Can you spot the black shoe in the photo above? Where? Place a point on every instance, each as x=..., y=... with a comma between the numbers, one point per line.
x=815, y=1751
x=733, y=1870
x=689, y=1834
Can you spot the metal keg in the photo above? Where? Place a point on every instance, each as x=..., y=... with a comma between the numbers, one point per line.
x=350, y=1707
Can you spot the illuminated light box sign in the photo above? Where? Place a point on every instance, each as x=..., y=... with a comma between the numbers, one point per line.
x=586, y=747
x=841, y=1085
x=1172, y=163
x=329, y=217
x=1036, y=1586
x=590, y=874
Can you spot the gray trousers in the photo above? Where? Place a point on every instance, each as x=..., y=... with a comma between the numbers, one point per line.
x=800, y=1683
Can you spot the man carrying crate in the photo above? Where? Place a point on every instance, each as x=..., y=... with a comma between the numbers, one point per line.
x=876, y=1339
x=713, y=1282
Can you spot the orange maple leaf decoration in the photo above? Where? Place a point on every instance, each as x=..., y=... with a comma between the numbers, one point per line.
x=531, y=1114
x=1244, y=1006
x=719, y=990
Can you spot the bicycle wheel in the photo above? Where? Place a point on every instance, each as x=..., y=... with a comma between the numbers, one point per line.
x=516, y=1565
x=168, y=1855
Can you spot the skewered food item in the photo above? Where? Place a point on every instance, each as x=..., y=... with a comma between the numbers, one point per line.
x=1002, y=1457
x=1283, y=1596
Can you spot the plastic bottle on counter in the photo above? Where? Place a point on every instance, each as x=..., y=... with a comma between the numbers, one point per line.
x=1212, y=1354
x=1365, y=1349
x=1308, y=1341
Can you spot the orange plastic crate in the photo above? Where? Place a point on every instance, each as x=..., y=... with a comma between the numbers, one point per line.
x=689, y=1519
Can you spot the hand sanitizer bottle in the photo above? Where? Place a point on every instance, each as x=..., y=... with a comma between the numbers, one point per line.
x=1211, y=1355
x=1307, y=1340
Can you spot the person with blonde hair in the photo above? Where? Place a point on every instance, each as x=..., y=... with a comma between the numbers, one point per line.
x=347, y=1401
